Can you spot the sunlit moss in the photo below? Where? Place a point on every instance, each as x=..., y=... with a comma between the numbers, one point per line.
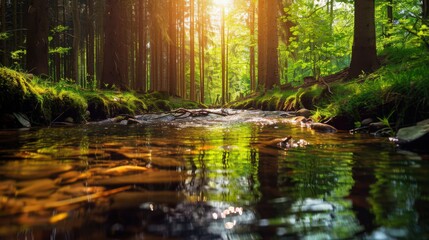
x=16, y=92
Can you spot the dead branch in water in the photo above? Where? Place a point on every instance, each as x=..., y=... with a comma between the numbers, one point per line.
x=184, y=113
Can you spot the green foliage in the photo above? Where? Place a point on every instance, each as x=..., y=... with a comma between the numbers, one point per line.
x=4, y=36
x=321, y=40
x=60, y=50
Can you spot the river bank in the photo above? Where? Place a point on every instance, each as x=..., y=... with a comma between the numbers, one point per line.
x=396, y=94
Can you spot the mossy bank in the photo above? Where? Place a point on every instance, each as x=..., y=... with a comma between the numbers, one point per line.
x=27, y=100
x=397, y=94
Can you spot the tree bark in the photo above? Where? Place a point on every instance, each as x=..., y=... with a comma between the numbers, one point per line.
x=425, y=10
x=173, y=49
x=364, y=52
x=223, y=57
x=262, y=44
x=202, y=10
x=37, y=37
x=115, y=66
x=76, y=40
x=272, y=70
x=192, y=51
x=252, y=13
x=90, y=57
x=4, y=51
x=142, y=55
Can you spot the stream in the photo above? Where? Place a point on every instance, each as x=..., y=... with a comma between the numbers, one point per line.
x=211, y=177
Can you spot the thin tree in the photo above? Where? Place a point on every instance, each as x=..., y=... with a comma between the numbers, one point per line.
x=223, y=56
x=90, y=54
x=201, y=12
x=192, y=50
x=262, y=45
x=252, y=14
x=364, y=51
x=173, y=49
x=76, y=39
x=37, y=37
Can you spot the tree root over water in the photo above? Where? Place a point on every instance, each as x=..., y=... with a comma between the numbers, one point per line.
x=184, y=113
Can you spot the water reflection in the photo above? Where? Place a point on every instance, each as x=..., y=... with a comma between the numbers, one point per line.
x=207, y=180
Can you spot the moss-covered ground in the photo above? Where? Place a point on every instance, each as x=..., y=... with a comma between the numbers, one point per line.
x=397, y=93
x=44, y=102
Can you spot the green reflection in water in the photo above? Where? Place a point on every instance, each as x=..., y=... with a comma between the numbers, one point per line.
x=338, y=187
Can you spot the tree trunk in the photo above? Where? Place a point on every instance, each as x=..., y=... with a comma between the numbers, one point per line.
x=76, y=40
x=115, y=66
x=223, y=56
x=142, y=55
x=202, y=10
x=192, y=51
x=90, y=55
x=262, y=45
x=425, y=10
x=272, y=41
x=37, y=37
x=182, y=51
x=173, y=49
x=252, y=13
x=364, y=52
x=4, y=52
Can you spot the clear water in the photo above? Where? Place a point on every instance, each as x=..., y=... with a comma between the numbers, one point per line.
x=208, y=178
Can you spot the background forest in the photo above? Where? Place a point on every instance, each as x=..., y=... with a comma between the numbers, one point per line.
x=211, y=51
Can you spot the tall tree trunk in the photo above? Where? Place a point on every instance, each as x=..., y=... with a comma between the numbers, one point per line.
x=90, y=55
x=99, y=25
x=262, y=43
x=142, y=55
x=192, y=50
x=272, y=41
x=37, y=37
x=76, y=40
x=364, y=52
x=223, y=57
x=173, y=49
x=4, y=52
x=425, y=10
x=182, y=51
x=115, y=66
x=57, y=40
x=252, y=14
x=201, y=12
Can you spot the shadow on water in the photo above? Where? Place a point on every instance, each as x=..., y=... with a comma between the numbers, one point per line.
x=213, y=178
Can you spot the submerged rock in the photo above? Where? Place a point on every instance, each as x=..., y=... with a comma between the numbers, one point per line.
x=414, y=137
x=304, y=112
x=323, y=128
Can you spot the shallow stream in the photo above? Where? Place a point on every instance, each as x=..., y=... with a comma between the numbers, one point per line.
x=210, y=177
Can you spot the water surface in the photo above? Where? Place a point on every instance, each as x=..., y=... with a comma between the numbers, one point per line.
x=208, y=178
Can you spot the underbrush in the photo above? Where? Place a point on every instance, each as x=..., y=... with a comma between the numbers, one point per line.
x=399, y=90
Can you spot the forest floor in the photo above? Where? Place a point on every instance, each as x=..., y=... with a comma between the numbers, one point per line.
x=397, y=94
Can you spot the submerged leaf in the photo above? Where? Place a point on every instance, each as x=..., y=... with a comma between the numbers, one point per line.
x=58, y=217
x=124, y=169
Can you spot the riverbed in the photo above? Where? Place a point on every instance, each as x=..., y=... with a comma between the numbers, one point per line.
x=209, y=177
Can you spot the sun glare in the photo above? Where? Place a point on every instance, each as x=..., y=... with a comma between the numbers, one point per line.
x=224, y=3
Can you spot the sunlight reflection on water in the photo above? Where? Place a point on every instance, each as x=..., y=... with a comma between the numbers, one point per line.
x=213, y=178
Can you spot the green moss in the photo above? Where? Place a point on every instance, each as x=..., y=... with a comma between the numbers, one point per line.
x=162, y=105
x=17, y=94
